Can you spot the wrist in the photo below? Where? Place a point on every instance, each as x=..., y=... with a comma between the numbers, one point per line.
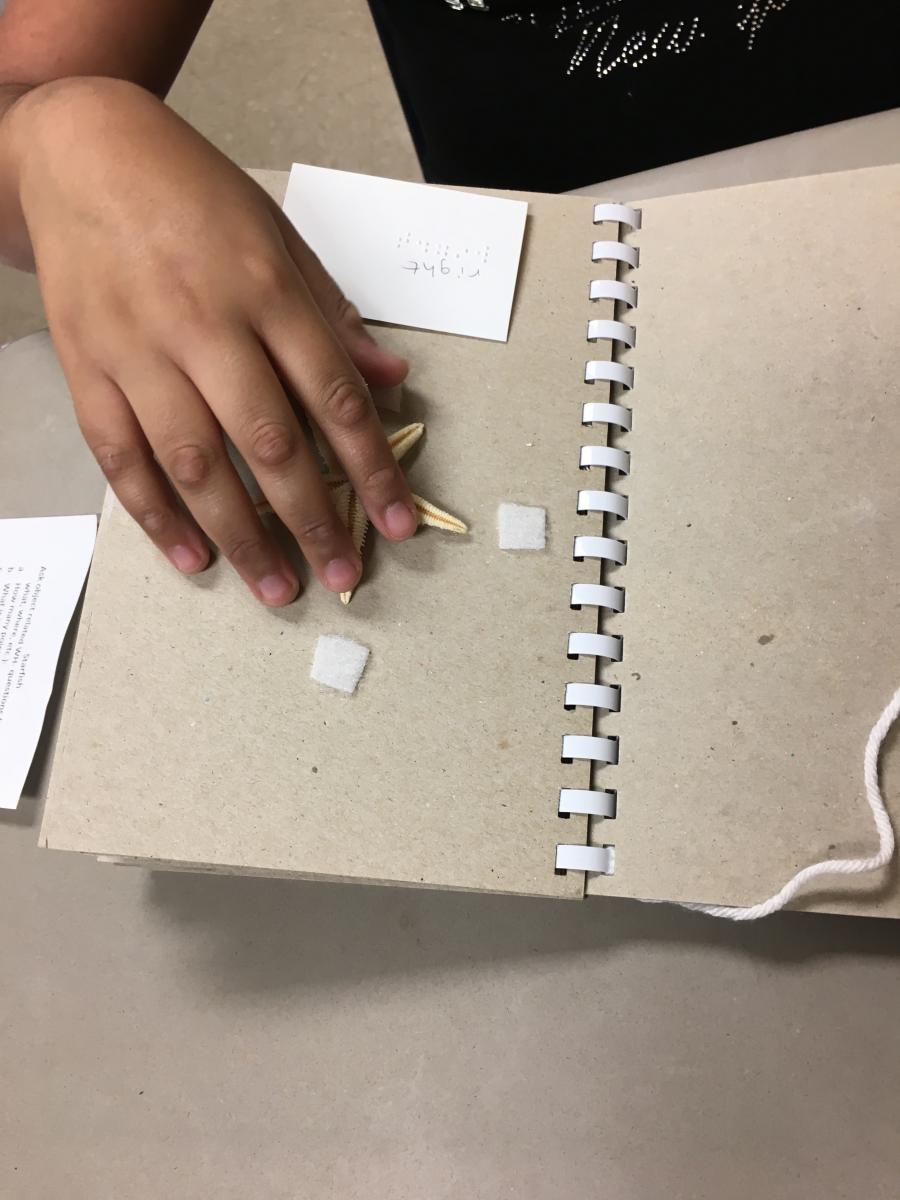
x=65, y=113
x=52, y=137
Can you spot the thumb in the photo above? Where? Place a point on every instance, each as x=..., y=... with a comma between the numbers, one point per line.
x=379, y=366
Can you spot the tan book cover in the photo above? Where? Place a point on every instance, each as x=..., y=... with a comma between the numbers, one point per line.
x=763, y=575
x=758, y=636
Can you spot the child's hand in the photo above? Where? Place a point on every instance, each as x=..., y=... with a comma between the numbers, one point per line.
x=179, y=298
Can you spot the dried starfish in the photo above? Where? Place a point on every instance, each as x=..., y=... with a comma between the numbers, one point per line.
x=349, y=506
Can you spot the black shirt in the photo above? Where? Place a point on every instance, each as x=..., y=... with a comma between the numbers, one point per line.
x=541, y=95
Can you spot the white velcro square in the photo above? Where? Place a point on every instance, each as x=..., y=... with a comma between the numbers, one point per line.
x=338, y=662
x=522, y=527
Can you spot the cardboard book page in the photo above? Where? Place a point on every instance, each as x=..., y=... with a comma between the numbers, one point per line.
x=763, y=576
x=192, y=732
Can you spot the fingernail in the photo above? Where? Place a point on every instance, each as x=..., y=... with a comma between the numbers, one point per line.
x=185, y=559
x=276, y=589
x=341, y=574
x=401, y=521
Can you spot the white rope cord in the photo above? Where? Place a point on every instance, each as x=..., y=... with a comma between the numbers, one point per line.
x=833, y=866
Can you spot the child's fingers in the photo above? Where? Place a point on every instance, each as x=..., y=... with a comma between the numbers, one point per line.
x=316, y=366
x=251, y=404
x=112, y=431
x=188, y=444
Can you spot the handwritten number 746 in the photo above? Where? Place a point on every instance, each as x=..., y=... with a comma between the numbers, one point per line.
x=442, y=268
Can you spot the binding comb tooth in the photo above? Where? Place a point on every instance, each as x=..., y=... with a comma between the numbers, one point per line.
x=600, y=507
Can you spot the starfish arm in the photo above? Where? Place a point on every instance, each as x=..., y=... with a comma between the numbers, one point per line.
x=342, y=498
x=404, y=439
x=359, y=522
x=430, y=514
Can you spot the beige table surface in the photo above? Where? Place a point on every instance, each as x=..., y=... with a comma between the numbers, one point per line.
x=168, y=1035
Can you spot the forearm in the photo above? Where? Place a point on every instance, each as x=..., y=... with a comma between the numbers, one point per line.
x=48, y=45
x=142, y=41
